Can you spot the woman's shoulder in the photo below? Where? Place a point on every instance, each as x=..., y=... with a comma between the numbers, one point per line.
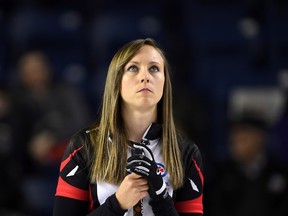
x=80, y=142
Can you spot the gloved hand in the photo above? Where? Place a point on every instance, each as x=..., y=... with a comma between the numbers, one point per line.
x=142, y=163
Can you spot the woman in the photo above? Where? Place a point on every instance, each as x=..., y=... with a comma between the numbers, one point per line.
x=133, y=162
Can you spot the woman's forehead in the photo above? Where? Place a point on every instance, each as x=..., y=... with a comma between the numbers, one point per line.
x=149, y=53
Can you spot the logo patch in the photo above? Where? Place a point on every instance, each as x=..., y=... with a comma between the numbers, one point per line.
x=161, y=169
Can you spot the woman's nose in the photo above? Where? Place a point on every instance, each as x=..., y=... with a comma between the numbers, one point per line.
x=144, y=76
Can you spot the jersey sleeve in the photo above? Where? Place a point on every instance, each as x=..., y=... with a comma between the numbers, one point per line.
x=189, y=198
x=73, y=181
x=73, y=193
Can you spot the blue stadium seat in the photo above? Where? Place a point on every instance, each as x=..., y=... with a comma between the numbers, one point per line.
x=42, y=25
x=213, y=25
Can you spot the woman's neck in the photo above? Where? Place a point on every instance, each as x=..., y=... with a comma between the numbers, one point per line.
x=137, y=122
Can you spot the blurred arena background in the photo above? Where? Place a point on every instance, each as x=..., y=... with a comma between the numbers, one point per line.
x=229, y=59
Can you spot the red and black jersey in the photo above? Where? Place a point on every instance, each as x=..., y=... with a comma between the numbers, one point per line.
x=76, y=195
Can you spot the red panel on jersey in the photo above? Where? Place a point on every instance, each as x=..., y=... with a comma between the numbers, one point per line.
x=190, y=206
x=64, y=163
x=66, y=190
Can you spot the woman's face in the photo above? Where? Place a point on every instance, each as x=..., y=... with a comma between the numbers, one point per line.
x=143, y=79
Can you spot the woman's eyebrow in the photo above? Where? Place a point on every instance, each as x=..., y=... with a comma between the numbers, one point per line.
x=133, y=62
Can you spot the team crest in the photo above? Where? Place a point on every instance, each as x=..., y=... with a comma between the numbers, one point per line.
x=161, y=169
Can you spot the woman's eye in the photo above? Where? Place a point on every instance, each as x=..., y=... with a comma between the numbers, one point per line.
x=132, y=68
x=154, y=69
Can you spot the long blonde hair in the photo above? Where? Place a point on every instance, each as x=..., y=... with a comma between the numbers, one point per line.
x=110, y=141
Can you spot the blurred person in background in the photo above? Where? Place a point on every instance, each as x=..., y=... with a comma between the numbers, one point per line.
x=251, y=181
x=48, y=112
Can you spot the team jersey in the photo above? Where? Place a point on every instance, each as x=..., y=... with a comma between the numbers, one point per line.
x=77, y=195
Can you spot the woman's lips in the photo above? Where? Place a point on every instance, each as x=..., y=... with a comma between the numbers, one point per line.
x=145, y=90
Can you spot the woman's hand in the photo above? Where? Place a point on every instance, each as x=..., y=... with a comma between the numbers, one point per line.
x=133, y=188
x=142, y=162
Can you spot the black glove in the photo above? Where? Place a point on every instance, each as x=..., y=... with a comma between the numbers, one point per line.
x=142, y=163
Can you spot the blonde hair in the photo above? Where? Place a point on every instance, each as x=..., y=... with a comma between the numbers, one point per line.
x=110, y=141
